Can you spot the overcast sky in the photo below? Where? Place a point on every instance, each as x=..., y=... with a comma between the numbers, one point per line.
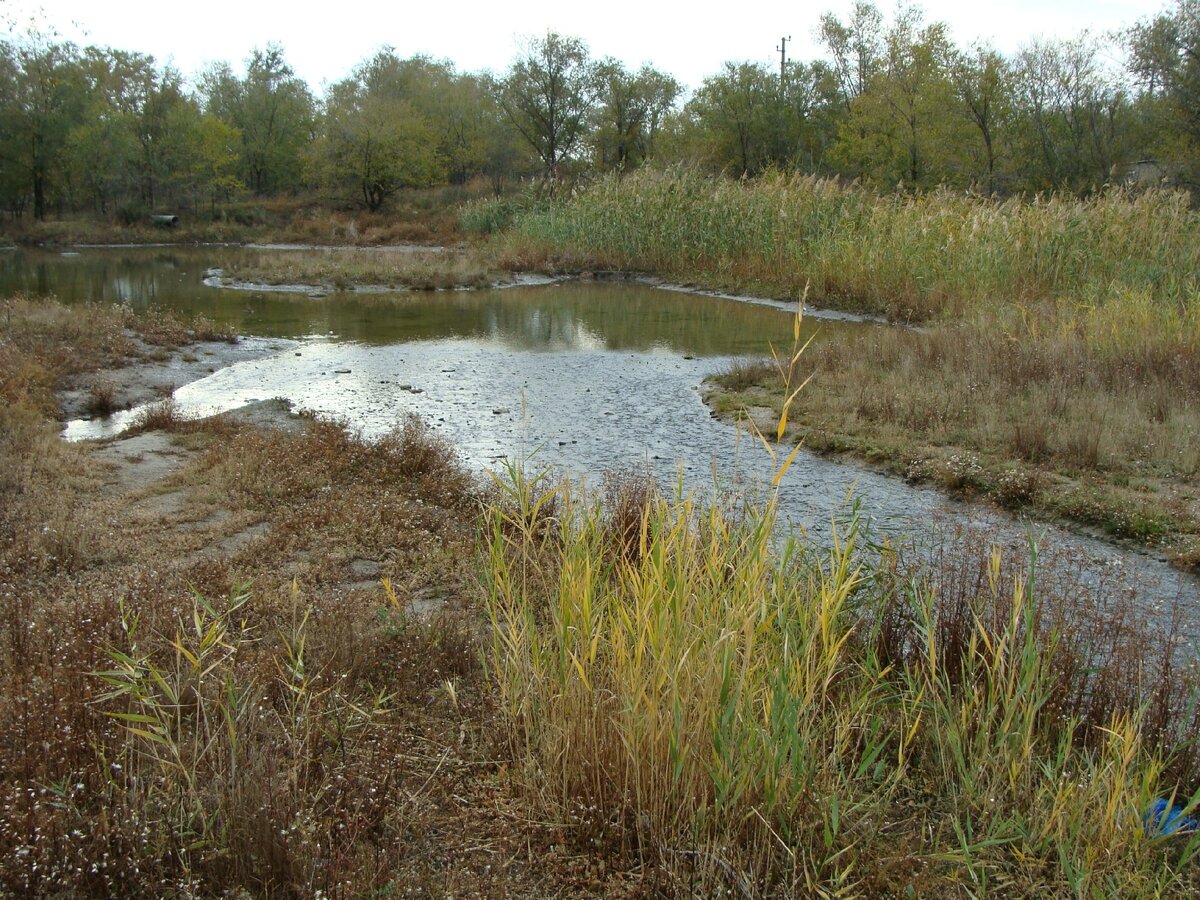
x=323, y=41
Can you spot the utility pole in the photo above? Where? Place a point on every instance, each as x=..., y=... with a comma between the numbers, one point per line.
x=782, y=48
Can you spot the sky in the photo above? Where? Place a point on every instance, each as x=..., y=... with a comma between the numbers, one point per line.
x=324, y=41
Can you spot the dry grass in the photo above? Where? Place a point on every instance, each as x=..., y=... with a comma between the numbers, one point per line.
x=212, y=701
x=65, y=339
x=344, y=269
x=101, y=398
x=415, y=216
x=1093, y=419
x=215, y=682
x=909, y=257
x=280, y=735
x=72, y=339
x=199, y=695
x=164, y=328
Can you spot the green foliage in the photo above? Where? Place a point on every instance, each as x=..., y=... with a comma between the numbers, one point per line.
x=982, y=81
x=1070, y=115
x=546, y=95
x=856, y=47
x=902, y=127
x=631, y=107
x=741, y=120
x=375, y=141
x=272, y=109
x=892, y=101
x=43, y=97
x=1166, y=59
x=495, y=215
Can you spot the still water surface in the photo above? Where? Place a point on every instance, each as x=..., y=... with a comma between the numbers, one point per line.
x=585, y=377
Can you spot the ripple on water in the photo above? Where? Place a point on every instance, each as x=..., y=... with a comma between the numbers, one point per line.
x=585, y=377
x=590, y=411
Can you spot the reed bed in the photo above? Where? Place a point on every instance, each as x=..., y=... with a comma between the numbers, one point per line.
x=912, y=257
x=766, y=718
x=749, y=713
x=1063, y=341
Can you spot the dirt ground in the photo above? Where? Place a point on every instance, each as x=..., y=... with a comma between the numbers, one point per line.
x=280, y=502
x=155, y=372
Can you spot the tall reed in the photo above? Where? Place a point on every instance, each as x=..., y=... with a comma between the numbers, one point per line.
x=907, y=256
x=751, y=712
x=717, y=697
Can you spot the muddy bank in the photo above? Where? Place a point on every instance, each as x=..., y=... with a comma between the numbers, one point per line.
x=156, y=479
x=815, y=312
x=216, y=278
x=382, y=248
x=654, y=281
x=155, y=373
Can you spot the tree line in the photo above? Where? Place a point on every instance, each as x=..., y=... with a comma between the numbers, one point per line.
x=893, y=102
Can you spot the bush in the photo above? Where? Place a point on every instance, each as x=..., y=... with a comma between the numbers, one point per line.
x=494, y=215
x=102, y=398
x=132, y=214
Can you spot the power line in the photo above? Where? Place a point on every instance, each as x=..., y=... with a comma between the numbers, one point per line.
x=782, y=48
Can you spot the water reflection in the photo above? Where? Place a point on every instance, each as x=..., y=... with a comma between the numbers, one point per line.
x=590, y=376
x=585, y=317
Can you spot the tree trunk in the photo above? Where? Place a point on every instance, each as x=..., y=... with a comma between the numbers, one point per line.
x=39, y=195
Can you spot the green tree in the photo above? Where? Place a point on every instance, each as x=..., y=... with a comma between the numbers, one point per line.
x=101, y=145
x=902, y=127
x=375, y=140
x=467, y=112
x=458, y=108
x=630, y=110
x=215, y=155
x=1165, y=57
x=273, y=111
x=44, y=98
x=164, y=125
x=982, y=83
x=478, y=137
x=14, y=187
x=505, y=152
x=813, y=107
x=736, y=119
x=547, y=97
x=856, y=48
x=1071, y=116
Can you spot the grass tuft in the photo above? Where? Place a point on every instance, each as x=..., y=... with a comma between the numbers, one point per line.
x=102, y=398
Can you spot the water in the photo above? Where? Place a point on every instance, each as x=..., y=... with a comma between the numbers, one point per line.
x=583, y=377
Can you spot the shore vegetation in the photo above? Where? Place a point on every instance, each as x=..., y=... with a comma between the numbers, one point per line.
x=395, y=268
x=1056, y=365
x=264, y=655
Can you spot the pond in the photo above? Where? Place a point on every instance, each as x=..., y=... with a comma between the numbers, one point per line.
x=582, y=376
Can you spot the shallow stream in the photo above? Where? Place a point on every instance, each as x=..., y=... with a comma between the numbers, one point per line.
x=586, y=377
